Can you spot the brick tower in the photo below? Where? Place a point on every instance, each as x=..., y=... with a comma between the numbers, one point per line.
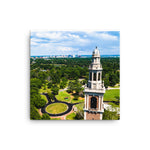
x=94, y=90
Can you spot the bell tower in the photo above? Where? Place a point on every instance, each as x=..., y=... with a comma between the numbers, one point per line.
x=94, y=90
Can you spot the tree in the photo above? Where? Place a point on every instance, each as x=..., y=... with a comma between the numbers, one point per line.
x=118, y=99
x=79, y=115
x=77, y=86
x=39, y=103
x=62, y=85
x=34, y=115
x=55, y=89
x=50, y=84
x=45, y=117
x=109, y=115
x=112, y=79
x=83, y=82
x=106, y=81
x=70, y=87
x=34, y=82
x=76, y=97
x=51, y=95
x=42, y=75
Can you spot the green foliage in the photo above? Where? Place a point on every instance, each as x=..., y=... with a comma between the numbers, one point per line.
x=118, y=99
x=34, y=115
x=76, y=97
x=44, y=97
x=71, y=116
x=51, y=95
x=73, y=68
x=59, y=71
x=42, y=75
x=50, y=84
x=83, y=82
x=39, y=103
x=79, y=115
x=74, y=86
x=106, y=81
x=80, y=106
x=109, y=115
x=35, y=83
x=45, y=117
x=70, y=87
x=55, y=118
x=63, y=83
x=55, y=89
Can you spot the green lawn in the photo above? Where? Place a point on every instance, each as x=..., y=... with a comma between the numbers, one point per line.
x=56, y=108
x=113, y=86
x=55, y=119
x=71, y=116
x=61, y=96
x=111, y=94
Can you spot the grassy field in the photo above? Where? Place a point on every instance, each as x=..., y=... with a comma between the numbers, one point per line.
x=110, y=95
x=71, y=116
x=113, y=86
x=63, y=94
x=55, y=118
x=56, y=108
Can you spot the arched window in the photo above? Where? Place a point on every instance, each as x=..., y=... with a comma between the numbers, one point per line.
x=90, y=76
x=94, y=77
x=93, y=102
x=99, y=76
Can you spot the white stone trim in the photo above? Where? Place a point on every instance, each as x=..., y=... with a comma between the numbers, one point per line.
x=101, y=116
x=84, y=115
x=99, y=102
x=87, y=101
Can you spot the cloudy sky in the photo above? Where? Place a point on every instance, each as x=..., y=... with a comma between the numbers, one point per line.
x=74, y=42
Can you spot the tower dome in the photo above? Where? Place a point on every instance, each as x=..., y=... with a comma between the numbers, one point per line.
x=96, y=52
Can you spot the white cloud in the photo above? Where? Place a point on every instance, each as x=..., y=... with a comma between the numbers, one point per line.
x=50, y=35
x=37, y=40
x=73, y=36
x=103, y=35
x=56, y=35
x=33, y=43
x=107, y=36
x=64, y=42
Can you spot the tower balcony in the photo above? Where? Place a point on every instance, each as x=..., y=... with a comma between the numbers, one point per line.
x=94, y=110
x=95, y=67
x=93, y=90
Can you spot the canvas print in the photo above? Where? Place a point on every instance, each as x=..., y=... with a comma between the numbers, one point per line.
x=75, y=75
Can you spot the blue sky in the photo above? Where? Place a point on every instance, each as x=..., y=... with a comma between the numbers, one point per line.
x=74, y=42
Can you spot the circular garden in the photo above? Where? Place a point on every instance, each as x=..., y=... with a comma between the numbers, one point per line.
x=56, y=108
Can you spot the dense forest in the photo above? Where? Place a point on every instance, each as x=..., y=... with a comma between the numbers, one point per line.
x=57, y=72
x=56, y=69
